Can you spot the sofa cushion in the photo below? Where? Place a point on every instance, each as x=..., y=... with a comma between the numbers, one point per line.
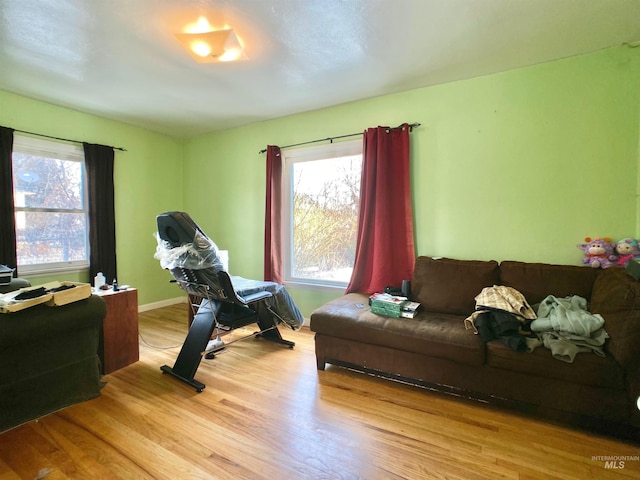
x=431, y=334
x=538, y=280
x=445, y=285
x=616, y=296
x=586, y=369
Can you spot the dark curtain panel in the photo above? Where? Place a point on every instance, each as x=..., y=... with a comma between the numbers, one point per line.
x=8, y=252
x=102, y=223
x=272, y=217
x=385, y=251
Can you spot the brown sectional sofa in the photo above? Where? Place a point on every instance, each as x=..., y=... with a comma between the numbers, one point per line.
x=434, y=349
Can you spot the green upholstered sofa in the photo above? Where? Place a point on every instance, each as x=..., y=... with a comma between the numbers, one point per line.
x=49, y=359
x=434, y=349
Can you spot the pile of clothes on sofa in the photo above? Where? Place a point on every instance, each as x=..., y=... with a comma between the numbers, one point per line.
x=563, y=325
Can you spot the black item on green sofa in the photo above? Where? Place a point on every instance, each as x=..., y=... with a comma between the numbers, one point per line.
x=14, y=284
x=49, y=359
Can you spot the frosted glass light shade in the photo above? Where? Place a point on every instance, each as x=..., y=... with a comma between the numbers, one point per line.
x=215, y=46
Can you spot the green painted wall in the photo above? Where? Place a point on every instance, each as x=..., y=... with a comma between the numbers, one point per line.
x=147, y=182
x=518, y=165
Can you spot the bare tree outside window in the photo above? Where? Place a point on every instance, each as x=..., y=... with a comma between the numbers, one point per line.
x=50, y=210
x=326, y=195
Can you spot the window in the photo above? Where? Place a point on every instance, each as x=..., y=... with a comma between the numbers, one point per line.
x=320, y=207
x=50, y=205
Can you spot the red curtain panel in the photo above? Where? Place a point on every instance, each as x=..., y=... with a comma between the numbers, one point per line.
x=385, y=250
x=272, y=218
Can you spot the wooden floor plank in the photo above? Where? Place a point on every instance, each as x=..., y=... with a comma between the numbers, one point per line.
x=267, y=413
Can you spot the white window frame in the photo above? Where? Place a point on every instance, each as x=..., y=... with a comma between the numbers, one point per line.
x=63, y=151
x=289, y=158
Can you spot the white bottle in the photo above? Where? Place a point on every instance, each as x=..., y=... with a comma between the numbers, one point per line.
x=99, y=281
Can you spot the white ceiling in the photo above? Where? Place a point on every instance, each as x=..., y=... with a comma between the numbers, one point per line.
x=119, y=59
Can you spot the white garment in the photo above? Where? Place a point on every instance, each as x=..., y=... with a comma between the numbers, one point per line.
x=503, y=298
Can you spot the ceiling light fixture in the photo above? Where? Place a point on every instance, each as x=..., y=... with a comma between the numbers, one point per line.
x=212, y=45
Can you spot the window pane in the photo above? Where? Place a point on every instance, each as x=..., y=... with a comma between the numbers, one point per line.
x=41, y=182
x=325, y=214
x=50, y=237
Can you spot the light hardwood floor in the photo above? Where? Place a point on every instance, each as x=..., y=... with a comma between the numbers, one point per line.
x=267, y=413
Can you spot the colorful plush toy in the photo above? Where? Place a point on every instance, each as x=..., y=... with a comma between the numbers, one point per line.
x=598, y=252
x=626, y=249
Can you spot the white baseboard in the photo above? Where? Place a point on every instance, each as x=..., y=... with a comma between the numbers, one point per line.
x=160, y=304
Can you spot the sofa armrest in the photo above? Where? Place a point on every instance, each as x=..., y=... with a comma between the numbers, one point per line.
x=18, y=328
x=616, y=296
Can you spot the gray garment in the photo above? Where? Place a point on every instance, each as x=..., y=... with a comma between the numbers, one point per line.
x=565, y=346
x=566, y=328
x=567, y=314
x=281, y=302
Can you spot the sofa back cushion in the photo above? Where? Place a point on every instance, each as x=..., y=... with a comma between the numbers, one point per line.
x=445, y=285
x=538, y=280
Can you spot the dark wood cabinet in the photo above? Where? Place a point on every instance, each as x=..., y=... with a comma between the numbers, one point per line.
x=119, y=346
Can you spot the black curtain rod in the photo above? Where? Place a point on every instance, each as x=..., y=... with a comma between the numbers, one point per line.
x=331, y=139
x=63, y=139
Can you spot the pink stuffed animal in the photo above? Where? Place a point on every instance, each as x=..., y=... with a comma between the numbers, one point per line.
x=598, y=252
x=626, y=249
